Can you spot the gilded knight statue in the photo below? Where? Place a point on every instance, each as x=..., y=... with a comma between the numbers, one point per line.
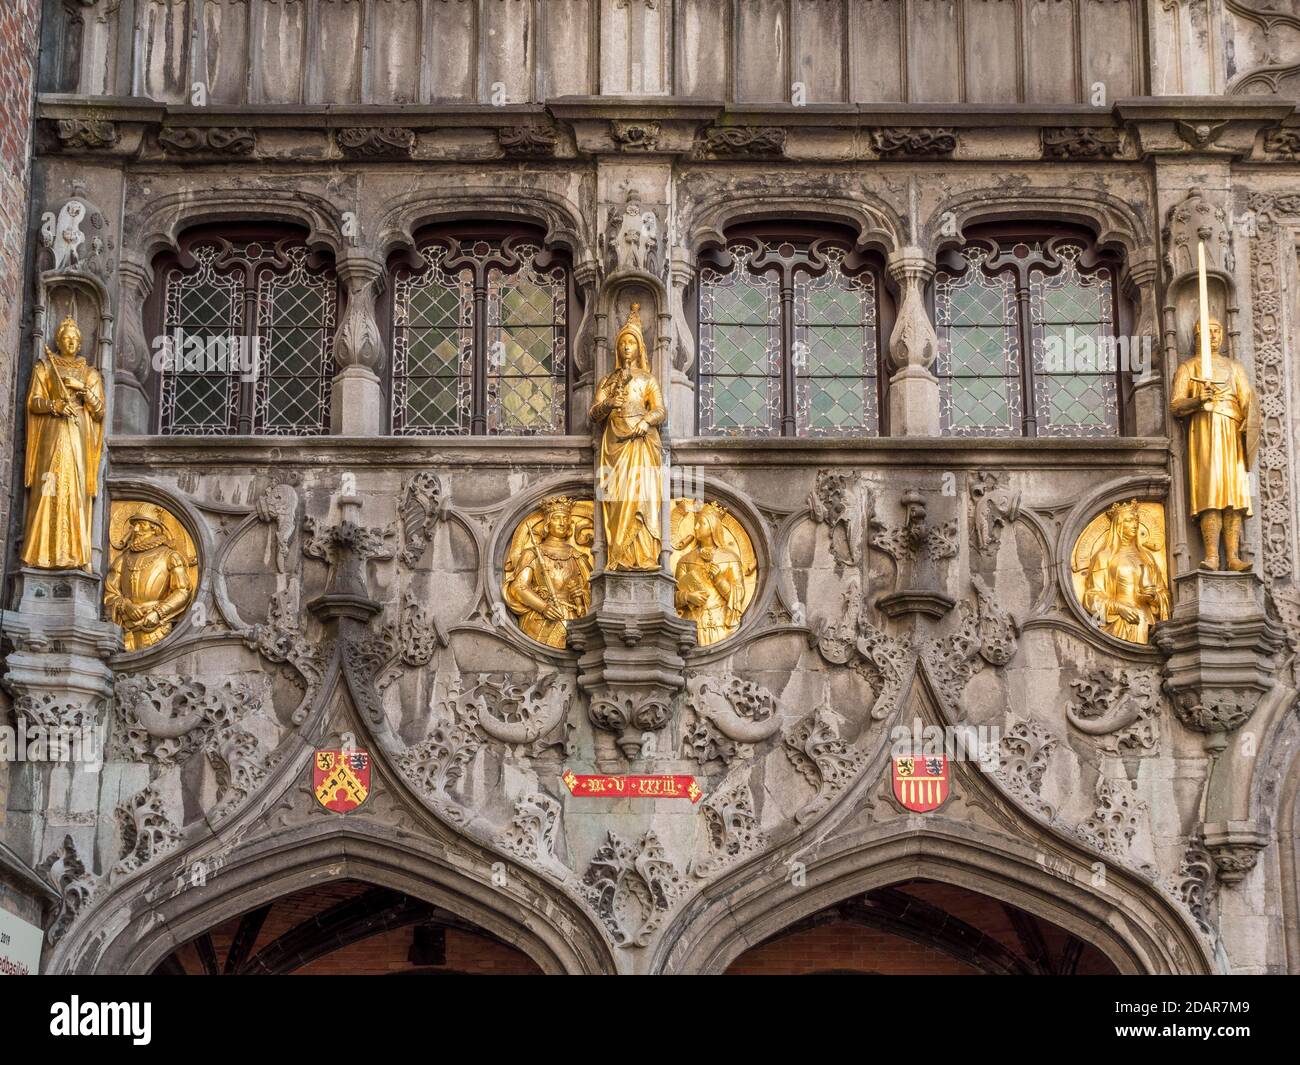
x=1222, y=437
x=710, y=580
x=148, y=583
x=65, y=438
x=1126, y=583
x=630, y=405
x=548, y=569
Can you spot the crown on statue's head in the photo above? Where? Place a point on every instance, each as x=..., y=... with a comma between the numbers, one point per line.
x=557, y=505
x=1123, y=510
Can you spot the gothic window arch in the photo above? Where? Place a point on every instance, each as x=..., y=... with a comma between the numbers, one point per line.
x=1029, y=323
x=247, y=321
x=480, y=335
x=791, y=322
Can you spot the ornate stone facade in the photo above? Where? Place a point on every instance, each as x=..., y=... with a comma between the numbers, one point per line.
x=349, y=591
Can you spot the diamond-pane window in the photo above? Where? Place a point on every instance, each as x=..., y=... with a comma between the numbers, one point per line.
x=522, y=371
x=1030, y=297
x=250, y=333
x=827, y=384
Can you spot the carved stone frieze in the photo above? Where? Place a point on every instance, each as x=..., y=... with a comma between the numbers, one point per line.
x=914, y=142
x=281, y=639
x=632, y=888
x=425, y=502
x=843, y=501
x=145, y=830
x=739, y=709
x=84, y=133
x=1023, y=755
x=994, y=506
x=1115, y=822
x=218, y=140
x=827, y=762
x=634, y=136
x=531, y=834
x=1119, y=706
x=1082, y=142
x=528, y=141
x=376, y=142
x=741, y=142
x=732, y=826
x=65, y=869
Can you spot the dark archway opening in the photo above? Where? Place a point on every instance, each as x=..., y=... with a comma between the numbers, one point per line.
x=922, y=927
x=348, y=928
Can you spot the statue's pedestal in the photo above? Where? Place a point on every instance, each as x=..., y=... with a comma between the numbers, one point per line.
x=1220, y=647
x=61, y=643
x=631, y=654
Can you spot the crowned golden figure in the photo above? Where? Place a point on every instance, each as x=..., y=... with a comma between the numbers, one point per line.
x=65, y=437
x=711, y=585
x=630, y=404
x=548, y=569
x=1125, y=583
x=1212, y=392
x=149, y=583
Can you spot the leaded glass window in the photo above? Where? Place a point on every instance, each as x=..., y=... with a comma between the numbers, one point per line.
x=740, y=350
x=789, y=342
x=250, y=333
x=1053, y=298
x=1076, y=387
x=480, y=341
x=978, y=364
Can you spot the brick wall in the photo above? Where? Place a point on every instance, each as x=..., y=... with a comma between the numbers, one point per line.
x=844, y=947
x=19, y=30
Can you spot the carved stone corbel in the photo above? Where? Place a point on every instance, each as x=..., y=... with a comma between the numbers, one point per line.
x=349, y=547
x=631, y=655
x=1220, y=651
x=913, y=345
x=356, y=406
x=1235, y=847
x=918, y=547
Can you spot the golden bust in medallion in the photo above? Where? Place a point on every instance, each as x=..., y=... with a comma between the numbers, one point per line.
x=548, y=568
x=1121, y=570
x=153, y=572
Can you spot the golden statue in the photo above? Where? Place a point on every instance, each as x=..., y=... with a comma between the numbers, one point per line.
x=1121, y=574
x=713, y=561
x=548, y=568
x=631, y=406
x=150, y=581
x=1211, y=391
x=65, y=437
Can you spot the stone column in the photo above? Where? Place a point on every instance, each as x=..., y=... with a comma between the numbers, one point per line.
x=681, y=390
x=1150, y=411
x=131, y=413
x=357, y=402
x=913, y=389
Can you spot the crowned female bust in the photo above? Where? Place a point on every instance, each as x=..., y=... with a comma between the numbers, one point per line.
x=630, y=405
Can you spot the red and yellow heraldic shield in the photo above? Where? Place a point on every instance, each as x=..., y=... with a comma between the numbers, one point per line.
x=341, y=779
x=921, y=784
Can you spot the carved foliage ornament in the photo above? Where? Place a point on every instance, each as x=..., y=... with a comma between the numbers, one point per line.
x=741, y=142
x=632, y=888
x=220, y=140
x=914, y=142
x=376, y=142
x=1082, y=142
x=526, y=141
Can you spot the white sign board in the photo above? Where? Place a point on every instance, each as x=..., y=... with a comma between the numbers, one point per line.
x=20, y=946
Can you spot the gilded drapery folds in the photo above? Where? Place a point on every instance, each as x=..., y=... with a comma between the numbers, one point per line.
x=65, y=437
x=630, y=405
x=1121, y=570
x=1222, y=436
x=715, y=567
x=547, y=581
x=152, y=573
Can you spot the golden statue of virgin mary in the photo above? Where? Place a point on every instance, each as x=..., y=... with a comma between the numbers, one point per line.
x=65, y=436
x=630, y=404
